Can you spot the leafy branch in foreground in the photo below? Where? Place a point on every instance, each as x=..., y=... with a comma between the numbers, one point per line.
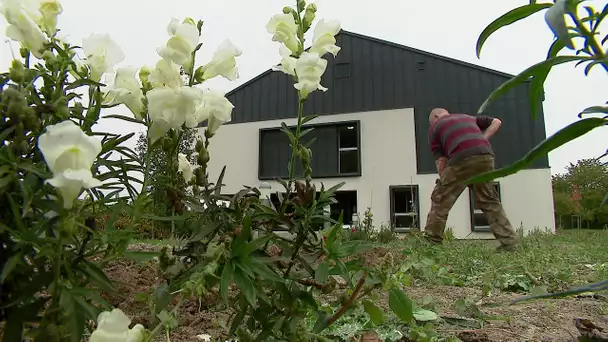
x=591, y=54
x=586, y=29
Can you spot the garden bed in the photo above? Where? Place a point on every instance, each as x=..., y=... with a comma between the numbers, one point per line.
x=545, y=320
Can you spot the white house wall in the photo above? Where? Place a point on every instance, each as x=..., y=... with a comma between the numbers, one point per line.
x=388, y=157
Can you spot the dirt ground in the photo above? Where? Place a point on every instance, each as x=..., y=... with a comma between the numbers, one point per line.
x=547, y=320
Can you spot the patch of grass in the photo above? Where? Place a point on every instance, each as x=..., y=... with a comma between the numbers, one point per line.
x=544, y=262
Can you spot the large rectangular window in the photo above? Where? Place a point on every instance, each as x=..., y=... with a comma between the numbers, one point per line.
x=348, y=150
x=479, y=222
x=346, y=204
x=405, y=212
x=336, y=151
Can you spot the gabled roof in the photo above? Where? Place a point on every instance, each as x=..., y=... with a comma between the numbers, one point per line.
x=399, y=46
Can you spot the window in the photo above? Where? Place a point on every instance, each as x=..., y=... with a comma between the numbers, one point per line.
x=342, y=70
x=348, y=149
x=479, y=222
x=335, y=151
x=405, y=210
x=346, y=203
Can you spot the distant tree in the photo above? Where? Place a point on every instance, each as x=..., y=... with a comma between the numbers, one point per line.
x=590, y=176
x=159, y=171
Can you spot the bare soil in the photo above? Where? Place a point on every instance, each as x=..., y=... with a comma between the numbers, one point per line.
x=546, y=320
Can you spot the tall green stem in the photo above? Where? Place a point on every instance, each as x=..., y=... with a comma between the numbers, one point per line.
x=294, y=152
x=590, y=39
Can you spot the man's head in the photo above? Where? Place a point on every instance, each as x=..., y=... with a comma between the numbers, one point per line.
x=436, y=114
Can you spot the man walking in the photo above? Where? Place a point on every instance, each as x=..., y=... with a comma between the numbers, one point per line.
x=461, y=148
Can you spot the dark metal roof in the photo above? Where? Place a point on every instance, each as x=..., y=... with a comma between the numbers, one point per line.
x=386, y=42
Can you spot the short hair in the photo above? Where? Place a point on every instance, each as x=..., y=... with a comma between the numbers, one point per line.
x=435, y=112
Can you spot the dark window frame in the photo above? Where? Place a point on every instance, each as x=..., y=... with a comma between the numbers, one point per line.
x=391, y=191
x=337, y=125
x=472, y=213
x=338, y=67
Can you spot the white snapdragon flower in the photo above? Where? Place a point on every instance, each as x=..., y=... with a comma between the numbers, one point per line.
x=324, y=38
x=288, y=63
x=183, y=42
x=113, y=326
x=185, y=167
x=223, y=62
x=50, y=10
x=126, y=90
x=216, y=109
x=69, y=154
x=22, y=18
x=166, y=74
x=102, y=54
x=170, y=108
x=309, y=68
x=284, y=29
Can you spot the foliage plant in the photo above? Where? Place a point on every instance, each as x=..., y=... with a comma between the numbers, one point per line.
x=57, y=170
x=580, y=34
x=159, y=174
x=576, y=27
x=590, y=177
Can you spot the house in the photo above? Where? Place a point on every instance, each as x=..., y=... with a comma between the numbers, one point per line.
x=372, y=134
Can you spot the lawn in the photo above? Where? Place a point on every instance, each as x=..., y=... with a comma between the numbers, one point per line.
x=466, y=283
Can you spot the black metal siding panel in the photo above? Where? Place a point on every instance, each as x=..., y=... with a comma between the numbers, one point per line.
x=384, y=76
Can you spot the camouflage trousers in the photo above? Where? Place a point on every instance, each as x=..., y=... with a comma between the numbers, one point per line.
x=449, y=187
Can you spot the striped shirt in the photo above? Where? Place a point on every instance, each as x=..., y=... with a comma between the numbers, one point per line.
x=458, y=136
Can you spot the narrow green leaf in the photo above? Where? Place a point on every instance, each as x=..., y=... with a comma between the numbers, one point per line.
x=536, y=69
x=401, y=305
x=506, y=19
x=593, y=287
x=309, y=118
x=140, y=256
x=264, y=271
x=255, y=245
x=236, y=322
x=243, y=237
x=205, y=231
x=9, y=266
x=322, y=322
x=162, y=218
x=351, y=248
x=90, y=311
x=556, y=19
x=225, y=281
x=125, y=118
x=98, y=277
x=322, y=272
x=594, y=110
x=162, y=298
x=374, y=312
x=245, y=285
x=82, y=82
x=561, y=137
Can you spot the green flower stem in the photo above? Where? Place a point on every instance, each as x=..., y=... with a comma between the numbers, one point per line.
x=150, y=338
x=590, y=38
x=294, y=151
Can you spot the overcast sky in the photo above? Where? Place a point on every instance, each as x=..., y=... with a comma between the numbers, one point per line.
x=445, y=27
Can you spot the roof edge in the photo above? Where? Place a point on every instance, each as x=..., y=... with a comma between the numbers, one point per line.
x=400, y=46
x=426, y=53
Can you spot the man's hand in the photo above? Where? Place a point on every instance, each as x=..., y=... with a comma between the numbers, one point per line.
x=492, y=129
x=440, y=163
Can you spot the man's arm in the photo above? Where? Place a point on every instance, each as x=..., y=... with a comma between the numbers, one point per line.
x=440, y=164
x=488, y=125
x=437, y=150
